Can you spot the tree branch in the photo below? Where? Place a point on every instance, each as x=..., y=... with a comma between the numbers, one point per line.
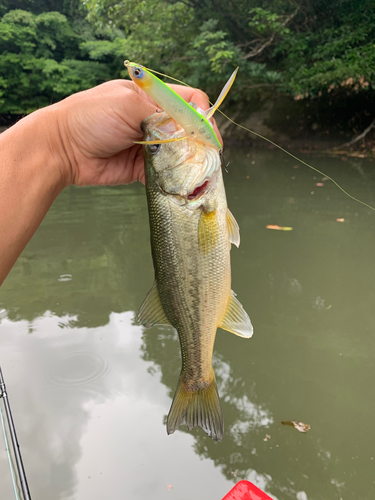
x=359, y=137
x=259, y=49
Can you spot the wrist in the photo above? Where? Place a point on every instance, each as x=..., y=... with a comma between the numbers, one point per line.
x=53, y=144
x=36, y=142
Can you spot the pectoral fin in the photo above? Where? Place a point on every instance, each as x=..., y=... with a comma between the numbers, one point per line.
x=236, y=319
x=151, y=311
x=233, y=229
x=208, y=231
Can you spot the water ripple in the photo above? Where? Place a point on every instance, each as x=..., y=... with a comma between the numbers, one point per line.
x=79, y=368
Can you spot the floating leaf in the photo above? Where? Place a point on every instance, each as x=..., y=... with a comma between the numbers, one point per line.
x=300, y=426
x=279, y=228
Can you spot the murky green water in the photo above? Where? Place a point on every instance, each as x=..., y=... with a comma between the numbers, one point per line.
x=90, y=389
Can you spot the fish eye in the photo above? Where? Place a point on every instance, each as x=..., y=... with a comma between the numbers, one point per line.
x=153, y=148
x=138, y=72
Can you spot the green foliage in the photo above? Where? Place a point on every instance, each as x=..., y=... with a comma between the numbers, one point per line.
x=265, y=21
x=67, y=7
x=306, y=49
x=41, y=62
x=171, y=37
x=333, y=59
x=151, y=30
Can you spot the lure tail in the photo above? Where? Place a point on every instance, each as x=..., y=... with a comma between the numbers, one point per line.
x=200, y=407
x=222, y=95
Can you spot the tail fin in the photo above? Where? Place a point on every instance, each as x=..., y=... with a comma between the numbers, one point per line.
x=197, y=408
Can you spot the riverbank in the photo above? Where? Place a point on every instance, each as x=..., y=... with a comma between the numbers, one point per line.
x=345, y=127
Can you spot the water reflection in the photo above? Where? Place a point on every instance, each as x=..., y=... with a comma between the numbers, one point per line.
x=90, y=390
x=97, y=429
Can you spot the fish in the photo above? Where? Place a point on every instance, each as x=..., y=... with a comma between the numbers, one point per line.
x=191, y=232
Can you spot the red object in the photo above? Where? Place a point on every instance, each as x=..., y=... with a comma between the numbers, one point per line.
x=244, y=490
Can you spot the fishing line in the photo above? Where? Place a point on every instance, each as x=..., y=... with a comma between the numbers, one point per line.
x=274, y=144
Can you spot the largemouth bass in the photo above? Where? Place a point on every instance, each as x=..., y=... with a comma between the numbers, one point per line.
x=191, y=235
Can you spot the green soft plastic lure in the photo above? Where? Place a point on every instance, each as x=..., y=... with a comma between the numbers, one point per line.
x=193, y=120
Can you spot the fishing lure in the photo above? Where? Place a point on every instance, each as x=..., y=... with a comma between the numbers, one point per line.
x=192, y=119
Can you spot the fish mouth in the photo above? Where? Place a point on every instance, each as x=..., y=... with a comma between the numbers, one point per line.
x=199, y=191
x=194, y=199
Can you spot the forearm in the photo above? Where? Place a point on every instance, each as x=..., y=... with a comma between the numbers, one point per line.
x=31, y=176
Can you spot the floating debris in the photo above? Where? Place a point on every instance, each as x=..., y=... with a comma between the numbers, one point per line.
x=300, y=426
x=279, y=228
x=340, y=220
x=65, y=277
x=267, y=437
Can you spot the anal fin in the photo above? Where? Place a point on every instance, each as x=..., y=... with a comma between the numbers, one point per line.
x=151, y=311
x=236, y=319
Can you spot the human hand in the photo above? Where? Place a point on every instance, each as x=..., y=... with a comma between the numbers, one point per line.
x=98, y=127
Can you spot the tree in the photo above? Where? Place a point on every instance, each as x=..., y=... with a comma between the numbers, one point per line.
x=41, y=61
x=305, y=48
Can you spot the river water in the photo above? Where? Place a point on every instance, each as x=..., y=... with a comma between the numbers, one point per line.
x=90, y=389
